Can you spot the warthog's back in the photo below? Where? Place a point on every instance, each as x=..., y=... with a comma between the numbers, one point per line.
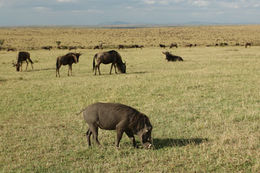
x=108, y=115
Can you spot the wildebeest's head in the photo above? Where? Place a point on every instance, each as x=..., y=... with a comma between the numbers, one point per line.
x=17, y=66
x=145, y=134
x=123, y=67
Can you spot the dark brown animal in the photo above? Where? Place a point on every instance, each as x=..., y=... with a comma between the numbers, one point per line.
x=107, y=58
x=23, y=56
x=119, y=117
x=100, y=46
x=162, y=45
x=72, y=47
x=248, y=44
x=174, y=45
x=47, y=47
x=11, y=49
x=189, y=45
x=67, y=59
x=120, y=46
x=170, y=57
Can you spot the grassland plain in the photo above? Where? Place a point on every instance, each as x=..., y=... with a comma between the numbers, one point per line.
x=34, y=38
x=205, y=112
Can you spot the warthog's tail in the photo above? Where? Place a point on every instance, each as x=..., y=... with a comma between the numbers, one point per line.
x=94, y=64
x=80, y=111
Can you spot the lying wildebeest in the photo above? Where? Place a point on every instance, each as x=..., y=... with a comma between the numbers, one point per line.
x=119, y=117
x=174, y=45
x=171, y=57
x=107, y=58
x=67, y=59
x=72, y=47
x=162, y=45
x=47, y=47
x=23, y=56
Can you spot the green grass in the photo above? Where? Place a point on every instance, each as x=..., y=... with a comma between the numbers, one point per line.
x=205, y=112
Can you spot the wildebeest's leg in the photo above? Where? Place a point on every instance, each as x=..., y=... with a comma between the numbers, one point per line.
x=115, y=68
x=131, y=136
x=111, y=68
x=71, y=69
x=88, y=134
x=58, y=70
x=26, y=64
x=99, y=70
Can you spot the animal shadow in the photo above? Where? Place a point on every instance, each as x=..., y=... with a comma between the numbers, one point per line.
x=169, y=142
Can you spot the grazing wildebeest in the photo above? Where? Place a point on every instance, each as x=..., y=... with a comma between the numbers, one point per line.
x=67, y=59
x=72, y=47
x=248, y=44
x=171, y=57
x=119, y=117
x=23, y=56
x=107, y=58
x=189, y=45
x=162, y=45
x=100, y=46
x=120, y=46
x=174, y=45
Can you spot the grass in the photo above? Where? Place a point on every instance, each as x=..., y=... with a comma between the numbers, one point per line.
x=205, y=112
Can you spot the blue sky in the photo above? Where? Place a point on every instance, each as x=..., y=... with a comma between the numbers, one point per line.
x=93, y=12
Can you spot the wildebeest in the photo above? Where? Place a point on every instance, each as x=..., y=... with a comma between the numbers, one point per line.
x=174, y=45
x=47, y=47
x=11, y=49
x=23, y=56
x=248, y=44
x=100, y=46
x=171, y=57
x=189, y=45
x=120, y=46
x=119, y=117
x=107, y=58
x=72, y=47
x=67, y=59
x=162, y=45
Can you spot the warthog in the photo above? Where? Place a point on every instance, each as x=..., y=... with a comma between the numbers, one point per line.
x=107, y=58
x=171, y=57
x=67, y=59
x=119, y=117
x=23, y=56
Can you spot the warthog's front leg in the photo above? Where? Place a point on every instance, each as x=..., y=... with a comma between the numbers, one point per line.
x=131, y=136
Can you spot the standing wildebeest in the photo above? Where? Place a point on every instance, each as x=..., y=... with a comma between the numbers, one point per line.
x=120, y=46
x=162, y=45
x=174, y=45
x=248, y=44
x=107, y=58
x=67, y=59
x=23, y=56
x=119, y=117
x=171, y=57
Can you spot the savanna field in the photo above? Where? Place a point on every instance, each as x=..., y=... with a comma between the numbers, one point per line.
x=205, y=111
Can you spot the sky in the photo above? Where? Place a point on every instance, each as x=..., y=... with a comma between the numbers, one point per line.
x=96, y=12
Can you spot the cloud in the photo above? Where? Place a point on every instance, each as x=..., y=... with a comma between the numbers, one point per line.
x=149, y=2
x=66, y=1
x=199, y=3
x=41, y=9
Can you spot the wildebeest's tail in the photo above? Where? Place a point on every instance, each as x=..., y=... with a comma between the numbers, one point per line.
x=94, y=63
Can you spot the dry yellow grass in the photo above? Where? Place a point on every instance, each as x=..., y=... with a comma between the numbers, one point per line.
x=34, y=38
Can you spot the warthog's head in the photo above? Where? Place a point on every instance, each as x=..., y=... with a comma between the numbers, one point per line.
x=145, y=134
